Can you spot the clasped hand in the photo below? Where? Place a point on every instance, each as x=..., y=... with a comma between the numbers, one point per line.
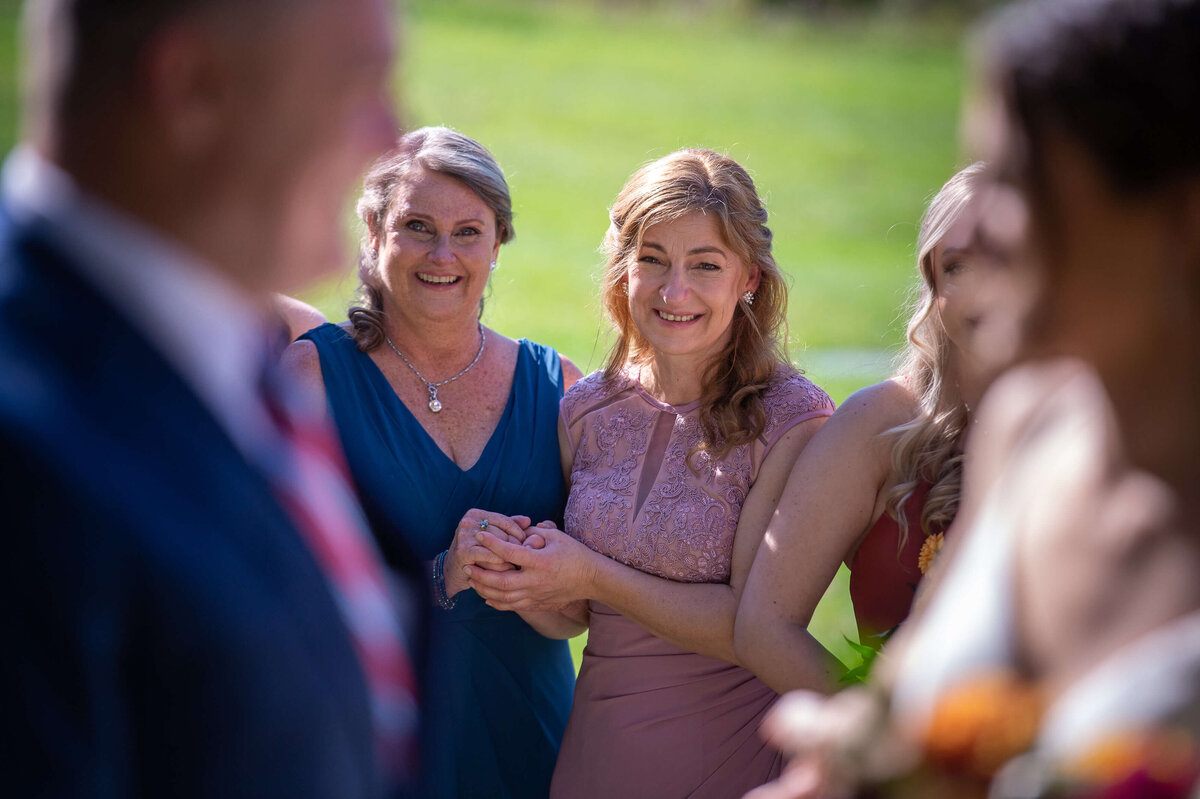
x=547, y=569
x=466, y=550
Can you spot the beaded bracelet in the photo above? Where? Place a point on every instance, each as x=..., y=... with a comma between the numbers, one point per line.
x=444, y=601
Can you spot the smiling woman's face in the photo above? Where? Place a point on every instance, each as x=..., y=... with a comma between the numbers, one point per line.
x=685, y=285
x=436, y=252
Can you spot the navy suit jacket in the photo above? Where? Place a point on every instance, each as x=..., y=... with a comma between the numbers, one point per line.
x=167, y=631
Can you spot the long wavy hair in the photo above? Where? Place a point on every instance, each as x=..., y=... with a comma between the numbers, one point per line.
x=437, y=149
x=928, y=449
x=731, y=410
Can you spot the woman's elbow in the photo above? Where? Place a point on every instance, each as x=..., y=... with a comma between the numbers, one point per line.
x=750, y=629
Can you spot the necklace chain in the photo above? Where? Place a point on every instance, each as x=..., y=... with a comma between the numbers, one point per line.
x=435, y=405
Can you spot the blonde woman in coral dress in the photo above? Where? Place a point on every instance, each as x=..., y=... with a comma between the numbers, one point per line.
x=676, y=454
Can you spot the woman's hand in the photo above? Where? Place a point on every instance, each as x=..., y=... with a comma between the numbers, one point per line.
x=549, y=577
x=466, y=550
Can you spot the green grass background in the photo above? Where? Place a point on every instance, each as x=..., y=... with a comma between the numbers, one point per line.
x=848, y=127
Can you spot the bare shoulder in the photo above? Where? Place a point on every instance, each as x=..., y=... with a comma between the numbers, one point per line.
x=301, y=360
x=571, y=372
x=501, y=344
x=299, y=316
x=850, y=448
x=877, y=408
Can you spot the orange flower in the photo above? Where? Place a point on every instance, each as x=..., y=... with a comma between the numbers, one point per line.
x=929, y=550
x=982, y=724
x=1166, y=755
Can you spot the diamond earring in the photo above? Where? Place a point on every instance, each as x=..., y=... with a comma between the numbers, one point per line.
x=493, y=266
x=748, y=297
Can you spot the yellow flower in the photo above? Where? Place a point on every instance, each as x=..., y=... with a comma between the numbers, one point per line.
x=929, y=551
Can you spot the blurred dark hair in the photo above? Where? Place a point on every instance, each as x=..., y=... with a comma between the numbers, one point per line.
x=1120, y=77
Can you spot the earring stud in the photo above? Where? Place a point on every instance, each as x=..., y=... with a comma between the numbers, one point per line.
x=493, y=266
x=748, y=297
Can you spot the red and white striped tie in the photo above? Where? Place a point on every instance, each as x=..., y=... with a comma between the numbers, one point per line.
x=314, y=487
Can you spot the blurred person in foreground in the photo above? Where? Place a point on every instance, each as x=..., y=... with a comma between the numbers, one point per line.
x=442, y=416
x=676, y=453
x=193, y=605
x=1067, y=624
x=880, y=482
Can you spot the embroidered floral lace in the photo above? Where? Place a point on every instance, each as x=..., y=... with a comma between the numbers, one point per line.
x=634, y=497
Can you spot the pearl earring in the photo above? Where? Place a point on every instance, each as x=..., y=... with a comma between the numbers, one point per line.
x=748, y=297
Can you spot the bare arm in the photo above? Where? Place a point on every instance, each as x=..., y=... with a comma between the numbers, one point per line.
x=695, y=616
x=827, y=507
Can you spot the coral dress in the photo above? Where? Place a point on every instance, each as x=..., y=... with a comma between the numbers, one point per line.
x=651, y=719
x=884, y=573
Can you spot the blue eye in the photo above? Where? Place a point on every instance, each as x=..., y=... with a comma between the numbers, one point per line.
x=468, y=231
x=649, y=259
x=416, y=226
x=706, y=266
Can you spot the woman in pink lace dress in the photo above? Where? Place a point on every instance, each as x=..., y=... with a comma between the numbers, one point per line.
x=677, y=453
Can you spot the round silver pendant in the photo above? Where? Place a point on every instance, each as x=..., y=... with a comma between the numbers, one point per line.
x=435, y=405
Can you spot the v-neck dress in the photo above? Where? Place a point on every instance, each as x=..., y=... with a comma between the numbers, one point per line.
x=497, y=693
x=652, y=719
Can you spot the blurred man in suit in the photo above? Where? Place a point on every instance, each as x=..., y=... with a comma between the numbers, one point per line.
x=192, y=607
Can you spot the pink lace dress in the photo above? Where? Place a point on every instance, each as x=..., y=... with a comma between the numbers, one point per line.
x=651, y=719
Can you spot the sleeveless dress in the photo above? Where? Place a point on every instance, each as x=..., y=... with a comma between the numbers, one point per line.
x=497, y=693
x=652, y=719
x=884, y=575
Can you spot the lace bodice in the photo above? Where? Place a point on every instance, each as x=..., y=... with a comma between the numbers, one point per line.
x=633, y=496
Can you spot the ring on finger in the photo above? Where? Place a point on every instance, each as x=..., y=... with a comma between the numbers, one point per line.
x=483, y=525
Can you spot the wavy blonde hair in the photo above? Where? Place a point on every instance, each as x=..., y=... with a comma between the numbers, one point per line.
x=929, y=448
x=731, y=410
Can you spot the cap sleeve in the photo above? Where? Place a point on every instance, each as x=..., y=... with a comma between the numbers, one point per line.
x=792, y=399
x=587, y=393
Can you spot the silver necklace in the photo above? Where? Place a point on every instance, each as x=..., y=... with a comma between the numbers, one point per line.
x=435, y=404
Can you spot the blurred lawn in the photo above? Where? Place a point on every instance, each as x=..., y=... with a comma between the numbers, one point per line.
x=847, y=128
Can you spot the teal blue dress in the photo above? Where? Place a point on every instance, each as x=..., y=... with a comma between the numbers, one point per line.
x=497, y=693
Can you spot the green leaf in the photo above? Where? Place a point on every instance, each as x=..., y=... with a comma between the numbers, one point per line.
x=862, y=671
